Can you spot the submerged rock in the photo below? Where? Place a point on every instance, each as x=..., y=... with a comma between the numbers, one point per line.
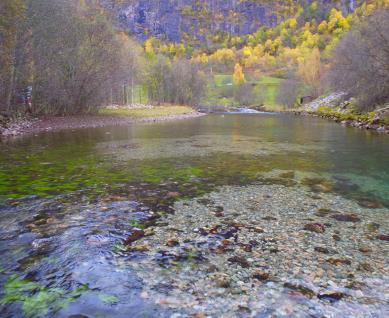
x=315, y=227
x=288, y=175
x=135, y=235
x=247, y=248
x=373, y=227
x=318, y=185
x=42, y=245
x=324, y=212
x=173, y=195
x=331, y=297
x=365, y=267
x=326, y=188
x=383, y=237
x=217, y=208
x=336, y=237
x=258, y=230
x=370, y=204
x=365, y=249
x=240, y=261
x=229, y=233
x=269, y=218
x=301, y=289
x=222, y=280
x=140, y=248
x=260, y=275
x=149, y=232
x=322, y=250
x=172, y=242
x=346, y=217
x=338, y=261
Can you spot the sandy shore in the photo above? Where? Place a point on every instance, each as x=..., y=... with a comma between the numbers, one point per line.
x=57, y=123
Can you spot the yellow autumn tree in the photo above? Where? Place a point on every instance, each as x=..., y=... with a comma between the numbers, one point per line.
x=310, y=70
x=293, y=23
x=323, y=26
x=247, y=51
x=149, y=48
x=224, y=55
x=238, y=75
x=337, y=21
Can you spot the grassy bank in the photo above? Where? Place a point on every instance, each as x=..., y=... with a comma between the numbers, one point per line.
x=152, y=112
x=267, y=87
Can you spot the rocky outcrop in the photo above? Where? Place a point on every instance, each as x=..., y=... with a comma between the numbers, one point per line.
x=335, y=107
x=170, y=19
x=332, y=100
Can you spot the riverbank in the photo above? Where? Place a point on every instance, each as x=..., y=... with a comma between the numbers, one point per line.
x=369, y=121
x=335, y=108
x=113, y=116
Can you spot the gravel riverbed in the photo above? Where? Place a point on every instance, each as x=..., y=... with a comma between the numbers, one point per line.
x=267, y=251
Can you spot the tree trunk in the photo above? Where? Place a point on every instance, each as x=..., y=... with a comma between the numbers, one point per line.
x=11, y=84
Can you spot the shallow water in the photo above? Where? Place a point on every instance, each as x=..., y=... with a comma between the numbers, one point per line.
x=69, y=200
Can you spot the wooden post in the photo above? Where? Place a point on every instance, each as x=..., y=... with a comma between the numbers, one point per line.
x=132, y=90
x=124, y=95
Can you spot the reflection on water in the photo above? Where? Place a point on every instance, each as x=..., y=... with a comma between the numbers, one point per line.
x=69, y=200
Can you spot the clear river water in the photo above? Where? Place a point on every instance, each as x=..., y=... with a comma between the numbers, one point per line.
x=75, y=207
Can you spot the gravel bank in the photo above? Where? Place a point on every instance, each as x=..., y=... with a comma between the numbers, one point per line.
x=49, y=124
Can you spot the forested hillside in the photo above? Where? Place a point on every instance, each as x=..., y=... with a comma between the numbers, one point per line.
x=226, y=53
x=297, y=52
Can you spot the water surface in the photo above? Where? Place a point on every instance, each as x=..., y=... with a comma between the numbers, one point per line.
x=69, y=200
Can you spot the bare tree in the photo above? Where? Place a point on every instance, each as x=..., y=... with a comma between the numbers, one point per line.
x=289, y=91
x=76, y=73
x=361, y=62
x=179, y=82
x=67, y=51
x=12, y=18
x=243, y=94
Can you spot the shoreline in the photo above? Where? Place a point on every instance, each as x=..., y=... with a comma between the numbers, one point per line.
x=355, y=123
x=59, y=123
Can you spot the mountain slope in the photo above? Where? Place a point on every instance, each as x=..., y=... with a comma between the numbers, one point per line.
x=176, y=20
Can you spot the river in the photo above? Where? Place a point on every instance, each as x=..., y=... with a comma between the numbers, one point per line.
x=231, y=215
